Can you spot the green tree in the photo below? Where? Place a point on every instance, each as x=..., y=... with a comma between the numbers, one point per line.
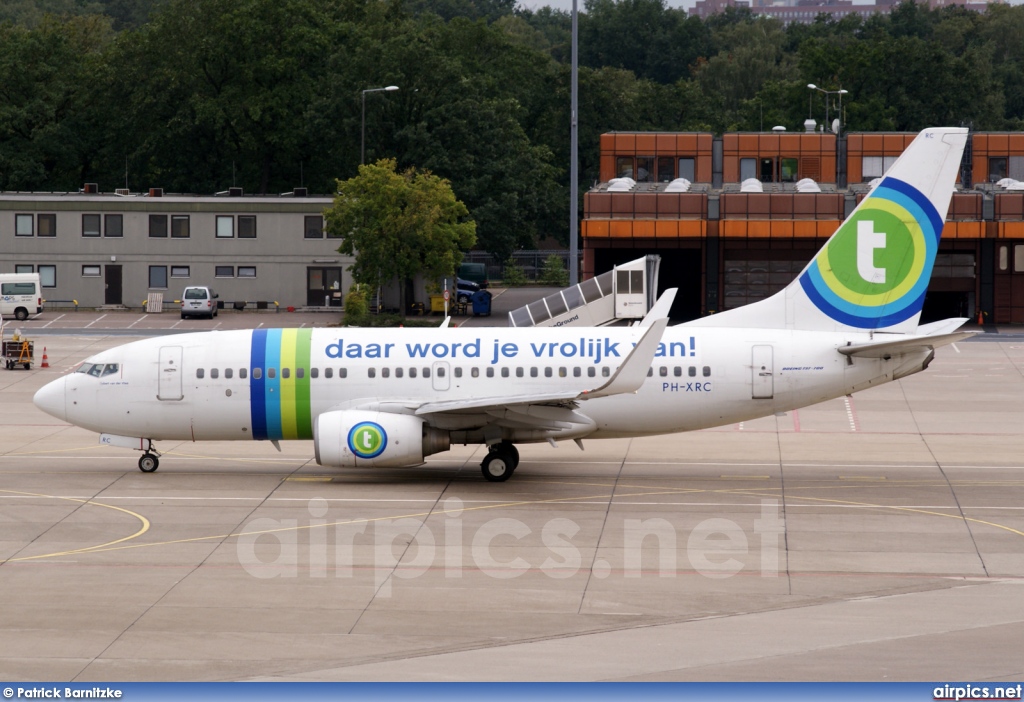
x=399, y=224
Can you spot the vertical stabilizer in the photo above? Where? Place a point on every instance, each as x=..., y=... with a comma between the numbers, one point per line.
x=873, y=273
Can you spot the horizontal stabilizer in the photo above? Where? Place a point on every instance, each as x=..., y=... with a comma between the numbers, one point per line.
x=913, y=344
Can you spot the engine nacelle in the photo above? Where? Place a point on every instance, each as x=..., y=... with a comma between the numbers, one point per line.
x=358, y=438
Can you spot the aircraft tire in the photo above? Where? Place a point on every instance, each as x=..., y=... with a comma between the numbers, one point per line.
x=512, y=450
x=148, y=463
x=497, y=466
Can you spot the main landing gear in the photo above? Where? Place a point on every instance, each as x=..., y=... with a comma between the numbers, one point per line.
x=500, y=462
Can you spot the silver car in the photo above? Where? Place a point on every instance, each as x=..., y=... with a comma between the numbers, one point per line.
x=199, y=301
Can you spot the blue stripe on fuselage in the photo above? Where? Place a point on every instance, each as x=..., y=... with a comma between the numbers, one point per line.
x=257, y=401
x=272, y=396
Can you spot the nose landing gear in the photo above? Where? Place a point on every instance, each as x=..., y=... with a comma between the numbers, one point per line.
x=500, y=462
x=149, y=462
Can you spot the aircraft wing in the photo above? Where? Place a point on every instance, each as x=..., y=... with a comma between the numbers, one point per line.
x=628, y=378
x=913, y=344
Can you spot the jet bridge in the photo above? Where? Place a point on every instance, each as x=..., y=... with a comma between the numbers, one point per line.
x=623, y=294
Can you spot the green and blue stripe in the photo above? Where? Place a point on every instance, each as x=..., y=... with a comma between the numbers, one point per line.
x=280, y=407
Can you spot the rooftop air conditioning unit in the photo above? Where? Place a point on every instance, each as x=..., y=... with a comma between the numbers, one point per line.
x=91, y=188
x=234, y=192
x=299, y=192
x=156, y=192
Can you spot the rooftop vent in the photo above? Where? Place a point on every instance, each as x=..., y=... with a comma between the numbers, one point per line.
x=621, y=185
x=299, y=192
x=156, y=192
x=679, y=185
x=807, y=185
x=91, y=188
x=751, y=185
x=123, y=192
x=234, y=192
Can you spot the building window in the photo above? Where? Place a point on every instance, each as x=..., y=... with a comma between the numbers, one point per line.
x=247, y=271
x=47, y=225
x=624, y=167
x=748, y=169
x=113, y=225
x=996, y=169
x=158, y=226
x=225, y=227
x=314, y=227
x=24, y=268
x=224, y=271
x=246, y=226
x=179, y=271
x=644, y=169
x=876, y=166
x=23, y=225
x=90, y=271
x=788, y=169
x=1018, y=258
x=48, y=276
x=180, y=227
x=90, y=225
x=665, y=172
x=1004, y=258
x=687, y=169
x=158, y=276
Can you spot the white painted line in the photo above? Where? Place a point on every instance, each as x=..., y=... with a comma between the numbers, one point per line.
x=955, y=348
x=95, y=320
x=50, y=322
x=137, y=321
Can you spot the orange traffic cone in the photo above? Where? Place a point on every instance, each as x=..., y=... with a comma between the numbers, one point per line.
x=46, y=363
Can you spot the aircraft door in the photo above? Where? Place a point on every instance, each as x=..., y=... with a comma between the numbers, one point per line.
x=763, y=377
x=169, y=381
x=441, y=372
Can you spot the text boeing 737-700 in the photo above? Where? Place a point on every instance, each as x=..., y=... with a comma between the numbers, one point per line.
x=369, y=397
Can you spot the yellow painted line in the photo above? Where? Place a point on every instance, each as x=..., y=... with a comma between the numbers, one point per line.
x=87, y=549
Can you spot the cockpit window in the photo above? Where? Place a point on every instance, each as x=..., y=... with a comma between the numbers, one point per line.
x=99, y=370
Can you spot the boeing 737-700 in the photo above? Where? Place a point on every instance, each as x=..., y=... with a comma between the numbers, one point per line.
x=370, y=397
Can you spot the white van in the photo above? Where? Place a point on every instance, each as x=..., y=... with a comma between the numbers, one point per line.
x=20, y=295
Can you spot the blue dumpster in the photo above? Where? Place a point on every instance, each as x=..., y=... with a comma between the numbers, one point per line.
x=482, y=303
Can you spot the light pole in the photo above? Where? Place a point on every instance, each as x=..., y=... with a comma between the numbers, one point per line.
x=840, y=93
x=362, y=144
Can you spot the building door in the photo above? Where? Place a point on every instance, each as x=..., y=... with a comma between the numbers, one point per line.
x=323, y=287
x=169, y=380
x=112, y=288
x=763, y=378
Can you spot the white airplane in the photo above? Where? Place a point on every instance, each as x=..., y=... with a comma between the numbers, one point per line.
x=370, y=397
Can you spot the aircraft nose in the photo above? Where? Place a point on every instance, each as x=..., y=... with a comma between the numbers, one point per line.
x=50, y=399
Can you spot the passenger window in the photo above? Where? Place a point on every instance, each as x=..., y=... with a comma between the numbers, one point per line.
x=677, y=371
x=286, y=372
x=577, y=372
x=242, y=373
x=228, y=373
x=458, y=371
x=533, y=371
x=214, y=373
x=591, y=372
x=562, y=372
x=707, y=371
x=343, y=372
x=271, y=373
x=605, y=371
x=412, y=372
x=650, y=372
x=328, y=372
x=547, y=371
x=426, y=372
x=371, y=372
x=200, y=372
x=440, y=371
x=314, y=372
x=519, y=372
x=663, y=371
x=257, y=373
x=385, y=372
x=475, y=372
x=300, y=372
x=490, y=372
x=693, y=371
x=504, y=372
x=398, y=373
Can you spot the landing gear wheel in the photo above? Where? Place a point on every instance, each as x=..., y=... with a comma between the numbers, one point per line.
x=148, y=463
x=500, y=463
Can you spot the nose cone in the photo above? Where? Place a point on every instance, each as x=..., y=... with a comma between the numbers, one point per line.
x=50, y=399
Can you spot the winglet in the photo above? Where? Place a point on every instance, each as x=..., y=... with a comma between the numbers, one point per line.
x=660, y=308
x=631, y=374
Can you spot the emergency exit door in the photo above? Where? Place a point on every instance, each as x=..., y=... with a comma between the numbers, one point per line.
x=763, y=373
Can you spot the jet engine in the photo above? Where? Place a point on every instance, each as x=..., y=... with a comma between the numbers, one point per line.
x=359, y=438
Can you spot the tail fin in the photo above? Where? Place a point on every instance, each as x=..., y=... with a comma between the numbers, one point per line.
x=874, y=271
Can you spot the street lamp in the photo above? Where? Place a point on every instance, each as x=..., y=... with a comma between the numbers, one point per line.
x=840, y=93
x=362, y=146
